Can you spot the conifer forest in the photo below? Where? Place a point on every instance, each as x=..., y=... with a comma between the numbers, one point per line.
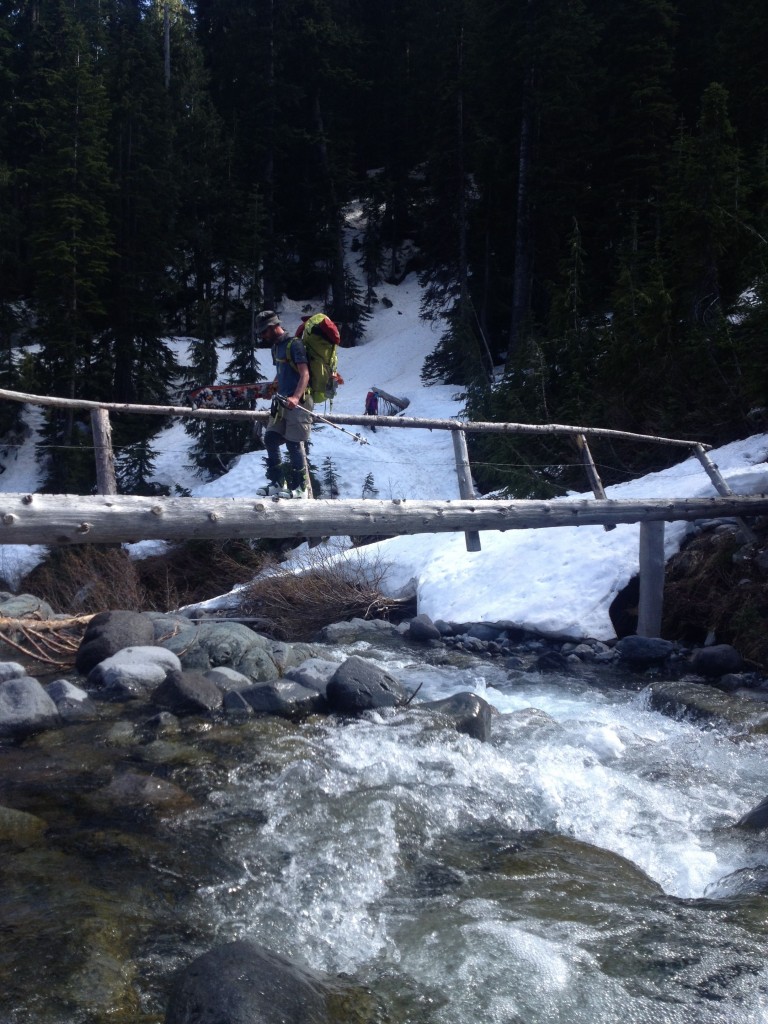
x=581, y=187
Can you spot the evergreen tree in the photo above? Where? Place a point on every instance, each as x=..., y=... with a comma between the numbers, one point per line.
x=64, y=118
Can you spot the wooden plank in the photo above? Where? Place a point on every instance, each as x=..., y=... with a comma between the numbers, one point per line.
x=651, y=601
x=466, y=487
x=72, y=519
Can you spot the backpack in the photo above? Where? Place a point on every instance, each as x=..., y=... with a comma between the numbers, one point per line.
x=321, y=339
x=371, y=404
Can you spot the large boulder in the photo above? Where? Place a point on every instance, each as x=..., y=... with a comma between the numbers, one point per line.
x=359, y=685
x=245, y=983
x=25, y=708
x=110, y=632
x=212, y=644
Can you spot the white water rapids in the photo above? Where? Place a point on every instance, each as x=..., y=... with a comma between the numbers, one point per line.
x=580, y=867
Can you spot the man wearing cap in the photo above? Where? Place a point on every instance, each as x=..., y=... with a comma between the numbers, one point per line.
x=290, y=422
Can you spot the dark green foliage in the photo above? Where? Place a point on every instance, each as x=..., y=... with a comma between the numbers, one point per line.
x=134, y=467
x=370, y=490
x=330, y=478
x=580, y=186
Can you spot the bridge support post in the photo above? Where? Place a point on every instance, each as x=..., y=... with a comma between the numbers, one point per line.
x=466, y=488
x=101, y=428
x=651, y=601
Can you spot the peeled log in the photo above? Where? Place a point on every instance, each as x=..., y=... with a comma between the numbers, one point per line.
x=111, y=519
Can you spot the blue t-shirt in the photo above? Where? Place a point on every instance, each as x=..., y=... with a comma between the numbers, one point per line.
x=287, y=377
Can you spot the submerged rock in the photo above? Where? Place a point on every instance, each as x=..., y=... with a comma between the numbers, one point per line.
x=756, y=819
x=468, y=713
x=245, y=983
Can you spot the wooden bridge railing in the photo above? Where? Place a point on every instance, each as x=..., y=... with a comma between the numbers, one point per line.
x=111, y=518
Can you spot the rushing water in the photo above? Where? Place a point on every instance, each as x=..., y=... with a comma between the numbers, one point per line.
x=579, y=867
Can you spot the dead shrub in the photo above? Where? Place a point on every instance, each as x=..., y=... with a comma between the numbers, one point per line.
x=295, y=605
x=86, y=578
x=93, y=578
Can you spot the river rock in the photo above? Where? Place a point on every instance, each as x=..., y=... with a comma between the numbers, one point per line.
x=716, y=660
x=26, y=606
x=245, y=983
x=213, y=644
x=11, y=670
x=755, y=819
x=133, y=672
x=314, y=673
x=485, y=631
x=553, y=661
x=19, y=827
x=468, y=713
x=25, y=708
x=187, y=693
x=134, y=789
x=342, y=633
x=110, y=632
x=285, y=698
x=359, y=685
x=644, y=651
x=227, y=678
x=422, y=628
x=168, y=624
x=72, y=703
x=287, y=656
x=704, y=703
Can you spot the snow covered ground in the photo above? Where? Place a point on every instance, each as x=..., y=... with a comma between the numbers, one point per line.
x=560, y=581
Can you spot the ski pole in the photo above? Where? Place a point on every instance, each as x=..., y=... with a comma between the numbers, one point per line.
x=322, y=419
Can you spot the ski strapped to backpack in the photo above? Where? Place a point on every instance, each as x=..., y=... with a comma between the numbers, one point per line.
x=320, y=337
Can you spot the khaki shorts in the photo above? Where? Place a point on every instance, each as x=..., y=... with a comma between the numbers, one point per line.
x=293, y=424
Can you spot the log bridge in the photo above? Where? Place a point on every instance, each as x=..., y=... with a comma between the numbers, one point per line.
x=110, y=518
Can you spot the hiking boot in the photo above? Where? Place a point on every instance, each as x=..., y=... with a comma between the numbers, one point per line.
x=285, y=492
x=300, y=492
x=270, y=490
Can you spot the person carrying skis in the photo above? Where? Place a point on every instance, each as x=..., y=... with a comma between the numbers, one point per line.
x=289, y=422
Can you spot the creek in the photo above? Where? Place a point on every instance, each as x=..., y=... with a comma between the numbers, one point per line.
x=579, y=868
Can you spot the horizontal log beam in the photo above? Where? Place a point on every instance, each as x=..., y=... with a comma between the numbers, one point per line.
x=110, y=519
x=469, y=426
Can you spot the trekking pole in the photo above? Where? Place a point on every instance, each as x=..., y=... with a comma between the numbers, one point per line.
x=317, y=416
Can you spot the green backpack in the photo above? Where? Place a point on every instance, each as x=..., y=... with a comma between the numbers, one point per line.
x=321, y=339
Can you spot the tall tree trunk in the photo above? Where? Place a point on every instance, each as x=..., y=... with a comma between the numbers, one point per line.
x=521, y=278
x=269, y=287
x=338, y=282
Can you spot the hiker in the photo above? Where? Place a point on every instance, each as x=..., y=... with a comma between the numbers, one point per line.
x=372, y=405
x=289, y=422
